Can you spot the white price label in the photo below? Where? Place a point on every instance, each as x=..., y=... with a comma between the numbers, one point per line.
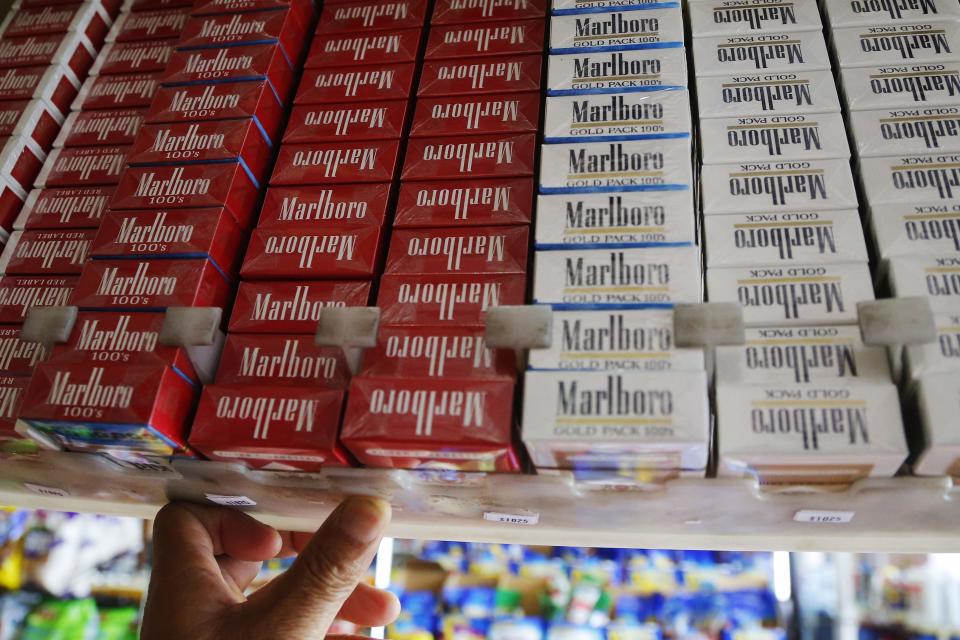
x=512, y=518
x=824, y=517
x=231, y=501
x=45, y=490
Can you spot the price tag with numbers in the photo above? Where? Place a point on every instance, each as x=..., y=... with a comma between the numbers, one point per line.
x=823, y=517
x=512, y=518
x=231, y=501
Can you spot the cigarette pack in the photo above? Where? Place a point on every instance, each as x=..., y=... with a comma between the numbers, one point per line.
x=742, y=17
x=769, y=94
x=460, y=203
x=849, y=13
x=480, y=114
x=617, y=277
x=762, y=53
x=54, y=84
x=139, y=26
x=634, y=165
x=760, y=138
x=375, y=83
x=485, y=39
x=111, y=127
x=568, y=7
x=83, y=166
x=461, y=424
x=283, y=427
x=795, y=237
x=810, y=434
x=618, y=419
x=918, y=229
x=133, y=57
x=654, y=27
x=936, y=449
x=19, y=293
x=469, y=157
x=436, y=352
x=188, y=186
x=372, y=15
x=880, y=44
x=21, y=162
x=474, y=11
x=345, y=50
x=117, y=92
x=36, y=120
x=346, y=205
x=19, y=357
x=629, y=116
x=273, y=359
x=214, y=66
x=793, y=185
x=788, y=355
x=630, y=340
x=901, y=86
x=11, y=397
x=908, y=179
x=616, y=72
x=70, y=50
x=11, y=205
x=888, y=132
x=306, y=8
x=150, y=284
x=586, y=220
x=336, y=162
x=346, y=122
x=480, y=76
x=280, y=27
x=458, y=251
x=936, y=277
x=318, y=252
x=445, y=299
x=940, y=356
x=795, y=295
x=291, y=308
x=46, y=252
x=72, y=207
x=89, y=19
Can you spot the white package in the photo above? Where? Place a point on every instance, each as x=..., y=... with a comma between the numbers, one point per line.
x=938, y=448
x=649, y=28
x=813, y=136
x=767, y=94
x=916, y=229
x=940, y=356
x=901, y=86
x=936, y=277
x=883, y=44
x=849, y=13
x=616, y=71
x=909, y=179
x=761, y=53
x=740, y=17
x=621, y=116
x=571, y=7
x=893, y=132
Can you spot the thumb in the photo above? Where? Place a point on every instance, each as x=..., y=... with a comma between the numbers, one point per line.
x=307, y=598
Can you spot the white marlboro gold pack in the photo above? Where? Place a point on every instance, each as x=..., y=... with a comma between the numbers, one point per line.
x=653, y=27
x=937, y=449
x=617, y=420
x=765, y=52
x=908, y=179
x=901, y=86
x=788, y=185
x=569, y=7
x=882, y=43
x=616, y=71
x=588, y=220
x=801, y=355
x=741, y=17
x=793, y=296
x=767, y=94
x=617, y=277
x=813, y=136
x=888, y=132
x=940, y=356
x=795, y=237
x=629, y=340
x=810, y=434
x=624, y=116
x=916, y=229
x=937, y=277
x=849, y=13
x=629, y=165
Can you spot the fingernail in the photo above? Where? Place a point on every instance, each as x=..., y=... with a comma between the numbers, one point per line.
x=363, y=519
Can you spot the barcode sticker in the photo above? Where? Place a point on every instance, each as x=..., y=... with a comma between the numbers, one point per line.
x=824, y=517
x=512, y=518
x=231, y=501
x=45, y=490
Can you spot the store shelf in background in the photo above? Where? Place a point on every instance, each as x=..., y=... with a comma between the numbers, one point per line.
x=896, y=515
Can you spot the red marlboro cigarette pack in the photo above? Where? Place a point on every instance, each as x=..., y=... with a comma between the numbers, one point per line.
x=472, y=76
x=322, y=252
x=463, y=251
x=338, y=205
x=347, y=50
x=188, y=186
x=375, y=83
x=21, y=161
x=80, y=166
x=110, y=6
x=459, y=203
x=485, y=39
x=305, y=8
x=133, y=57
x=177, y=233
x=36, y=120
x=209, y=66
x=117, y=92
x=336, y=162
x=150, y=284
x=19, y=293
x=136, y=408
x=18, y=357
x=436, y=352
x=346, y=121
x=54, y=84
x=46, y=252
x=70, y=50
x=11, y=204
x=487, y=156
x=464, y=424
x=67, y=208
x=11, y=397
x=446, y=299
x=467, y=115
x=481, y=11
x=149, y=25
x=282, y=27
x=198, y=103
x=280, y=427
x=291, y=307
x=212, y=141
x=273, y=359
x=102, y=127
x=372, y=15
x=89, y=19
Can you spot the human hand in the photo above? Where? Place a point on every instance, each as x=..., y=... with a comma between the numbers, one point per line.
x=204, y=557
